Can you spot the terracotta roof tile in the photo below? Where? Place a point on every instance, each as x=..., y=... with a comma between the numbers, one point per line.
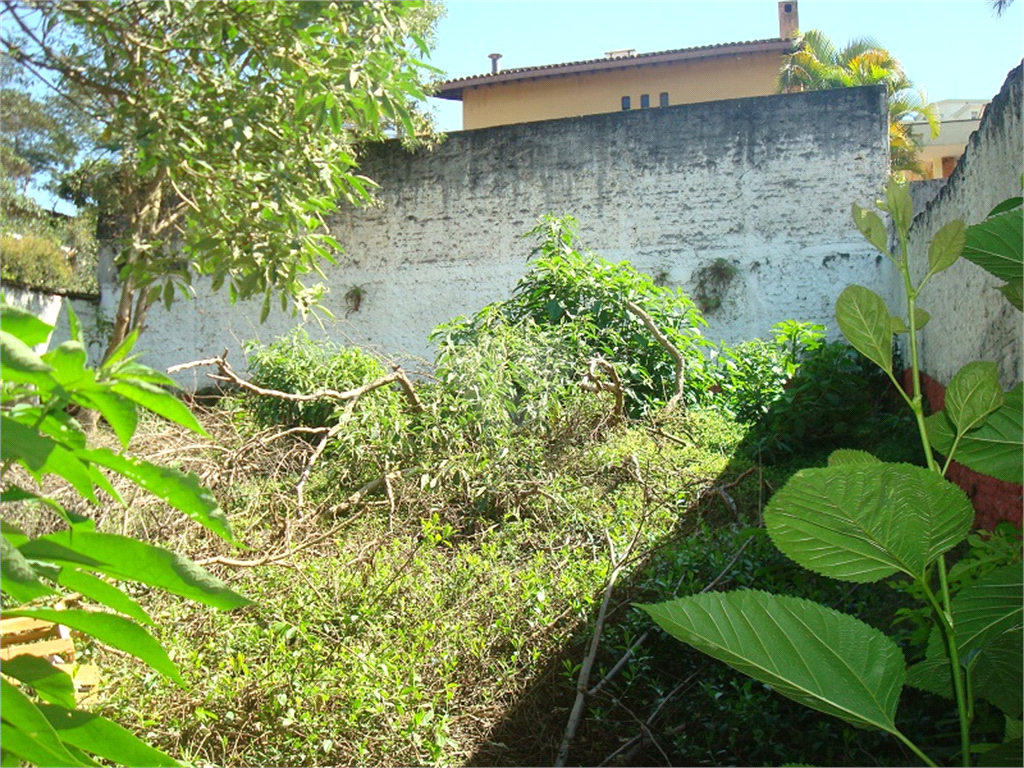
x=452, y=89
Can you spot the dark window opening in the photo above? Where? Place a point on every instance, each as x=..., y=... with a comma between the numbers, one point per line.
x=645, y=101
x=625, y=103
x=663, y=100
x=789, y=7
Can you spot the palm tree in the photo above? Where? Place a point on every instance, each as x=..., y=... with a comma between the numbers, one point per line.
x=818, y=65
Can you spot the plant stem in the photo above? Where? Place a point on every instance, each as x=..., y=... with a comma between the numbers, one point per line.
x=945, y=620
x=914, y=748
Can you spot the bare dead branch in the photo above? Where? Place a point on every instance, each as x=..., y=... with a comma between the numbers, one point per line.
x=594, y=382
x=227, y=373
x=668, y=346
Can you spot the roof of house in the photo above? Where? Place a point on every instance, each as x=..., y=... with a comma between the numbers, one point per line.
x=452, y=89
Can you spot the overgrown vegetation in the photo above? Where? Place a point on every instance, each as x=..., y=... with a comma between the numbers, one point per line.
x=435, y=578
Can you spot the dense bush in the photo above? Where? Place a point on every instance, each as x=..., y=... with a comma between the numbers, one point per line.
x=40, y=261
x=298, y=365
x=569, y=285
x=33, y=261
x=750, y=377
x=836, y=399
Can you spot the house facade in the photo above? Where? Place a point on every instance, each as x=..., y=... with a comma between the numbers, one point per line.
x=623, y=80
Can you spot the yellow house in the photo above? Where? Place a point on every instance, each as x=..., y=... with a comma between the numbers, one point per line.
x=623, y=80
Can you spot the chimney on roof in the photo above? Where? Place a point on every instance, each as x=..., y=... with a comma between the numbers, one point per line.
x=789, y=22
x=494, y=62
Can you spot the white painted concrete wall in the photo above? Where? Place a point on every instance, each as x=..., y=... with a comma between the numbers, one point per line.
x=765, y=183
x=970, y=319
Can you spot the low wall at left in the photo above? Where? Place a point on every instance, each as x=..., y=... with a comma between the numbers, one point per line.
x=52, y=308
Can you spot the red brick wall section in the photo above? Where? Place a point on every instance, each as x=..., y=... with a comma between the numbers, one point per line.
x=994, y=500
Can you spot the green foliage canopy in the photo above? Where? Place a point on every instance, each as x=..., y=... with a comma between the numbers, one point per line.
x=232, y=126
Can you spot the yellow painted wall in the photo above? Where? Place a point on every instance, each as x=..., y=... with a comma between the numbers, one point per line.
x=590, y=93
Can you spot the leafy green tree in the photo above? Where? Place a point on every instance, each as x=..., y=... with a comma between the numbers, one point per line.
x=817, y=65
x=227, y=132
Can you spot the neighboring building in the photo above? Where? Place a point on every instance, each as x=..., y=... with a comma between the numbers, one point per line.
x=959, y=118
x=623, y=80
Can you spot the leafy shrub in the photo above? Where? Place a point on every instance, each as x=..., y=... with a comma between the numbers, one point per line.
x=33, y=261
x=836, y=399
x=500, y=378
x=298, y=365
x=568, y=285
x=75, y=271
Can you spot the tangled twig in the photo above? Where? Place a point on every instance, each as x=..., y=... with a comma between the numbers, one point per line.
x=594, y=382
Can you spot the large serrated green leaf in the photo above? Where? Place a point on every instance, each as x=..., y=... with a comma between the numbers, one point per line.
x=995, y=448
x=995, y=672
x=973, y=394
x=823, y=659
x=113, y=630
x=131, y=560
x=102, y=737
x=181, y=491
x=989, y=607
x=995, y=245
x=866, y=323
x=864, y=523
x=19, y=363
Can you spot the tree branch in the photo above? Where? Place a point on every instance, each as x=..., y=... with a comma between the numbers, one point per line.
x=668, y=346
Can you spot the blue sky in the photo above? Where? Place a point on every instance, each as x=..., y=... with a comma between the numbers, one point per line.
x=954, y=50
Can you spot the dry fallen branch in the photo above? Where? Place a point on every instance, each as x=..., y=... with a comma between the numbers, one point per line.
x=618, y=564
x=594, y=382
x=227, y=373
x=668, y=346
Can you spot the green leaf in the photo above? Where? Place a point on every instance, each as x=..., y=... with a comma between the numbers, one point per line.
x=24, y=325
x=945, y=247
x=77, y=334
x=41, y=455
x=995, y=245
x=989, y=607
x=864, y=523
x=995, y=672
x=1007, y=205
x=17, y=576
x=102, y=592
x=102, y=737
x=973, y=394
x=1014, y=293
x=118, y=411
x=865, y=322
x=995, y=448
x=27, y=733
x=849, y=456
x=50, y=683
x=131, y=560
x=113, y=630
x=870, y=225
x=160, y=402
x=19, y=363
x=181, y=491
x=899, y=206
x=816, y=656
